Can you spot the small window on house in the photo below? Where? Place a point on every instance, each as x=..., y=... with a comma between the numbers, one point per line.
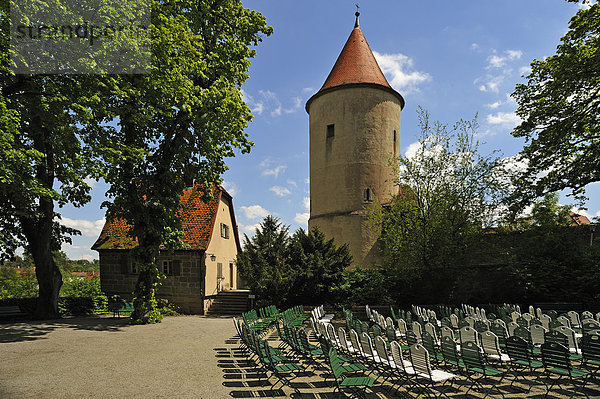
x=224, y=231
x=368, y=195
x=330, y=130
x=167, y=267
x=128, y=266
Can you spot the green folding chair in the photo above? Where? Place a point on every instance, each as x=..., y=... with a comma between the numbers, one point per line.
x=356, y=385
x=477, y=367
x=521, y=358
x=555, y=358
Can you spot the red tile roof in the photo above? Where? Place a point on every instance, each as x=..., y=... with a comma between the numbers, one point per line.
x=578, y=219
x=355, y=64
x=198, y=222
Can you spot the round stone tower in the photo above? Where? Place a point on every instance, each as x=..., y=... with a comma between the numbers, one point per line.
x=354, y=137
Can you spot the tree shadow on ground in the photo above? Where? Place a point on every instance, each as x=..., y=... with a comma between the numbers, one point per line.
x=34, y=330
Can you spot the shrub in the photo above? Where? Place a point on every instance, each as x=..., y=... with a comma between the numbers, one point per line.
x=15, y=285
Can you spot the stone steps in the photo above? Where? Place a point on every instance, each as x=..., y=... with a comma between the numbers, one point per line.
x=234, y=302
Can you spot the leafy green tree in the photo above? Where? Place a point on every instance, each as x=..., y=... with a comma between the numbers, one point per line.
x=548, y=212
x=42, y=163
x=560, y=108
x=264, y=262
x=176, y=125
x=317, y=267
x=449, y=194
x=368, y=286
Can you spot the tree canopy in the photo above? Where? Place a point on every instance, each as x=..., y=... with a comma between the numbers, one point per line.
x=177, y=124
x=449, y=194
x=42, y=162
x=150, y=134
x=560, y=108
x=285, y=270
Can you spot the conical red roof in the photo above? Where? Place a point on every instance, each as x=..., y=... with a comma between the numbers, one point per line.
x=355, y=64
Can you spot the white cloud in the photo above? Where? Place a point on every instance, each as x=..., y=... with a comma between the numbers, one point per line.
x=515, y=164
x=268, y=101
x=78, y=251
x=254, y=212
x=495, y=61
x=514, y=54
x=308, y=90
x=90, y=182
x=495, y=105
x=506, y=119
x=586, y=4
x=297, y=103
x=412, y=149
x=231, y=187
x=510, y=100
x=498, y=61
x=302, y=218
x=292, y=183
x=258, y=108
x=249, y=230
x=474, y=46
x=306, y=203
x=88, y=228
x=400, y=71
x=274, y=171
x=280, y=191
x=255, y=106
x=270, y=168
x=491, y=83
x=524, y=70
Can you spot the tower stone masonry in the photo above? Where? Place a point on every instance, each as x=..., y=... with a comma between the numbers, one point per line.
x=354, y=128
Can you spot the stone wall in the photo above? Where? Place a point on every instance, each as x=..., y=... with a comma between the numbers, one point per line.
x=184, y=288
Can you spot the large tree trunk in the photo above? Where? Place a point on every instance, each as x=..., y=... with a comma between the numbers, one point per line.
x=38, y=232
x=50, y=281
x=145, y=302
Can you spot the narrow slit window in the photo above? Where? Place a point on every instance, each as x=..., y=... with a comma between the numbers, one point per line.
x=394, y=136
x=368, y=195
x=330, y=130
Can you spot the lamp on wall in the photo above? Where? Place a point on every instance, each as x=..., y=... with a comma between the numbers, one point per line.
x=213, y=257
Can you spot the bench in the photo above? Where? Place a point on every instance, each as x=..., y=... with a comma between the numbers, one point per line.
x=122, y=307
x=11, y=311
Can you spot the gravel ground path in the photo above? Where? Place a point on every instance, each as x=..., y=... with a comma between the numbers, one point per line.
x=104, y=357
x=182, y=357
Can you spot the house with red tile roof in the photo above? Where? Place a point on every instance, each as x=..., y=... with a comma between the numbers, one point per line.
x=193, y=276
x=579, y=220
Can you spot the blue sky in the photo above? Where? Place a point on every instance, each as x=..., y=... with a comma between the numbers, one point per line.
x=456, y=59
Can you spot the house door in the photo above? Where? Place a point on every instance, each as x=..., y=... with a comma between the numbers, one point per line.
x=231, y=286
x=220, y=277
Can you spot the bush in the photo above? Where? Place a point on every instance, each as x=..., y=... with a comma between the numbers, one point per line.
x=15, y=285
x=80, y=286
x=167, y=309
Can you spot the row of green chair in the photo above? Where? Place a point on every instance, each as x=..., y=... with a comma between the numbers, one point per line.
x=271, y=360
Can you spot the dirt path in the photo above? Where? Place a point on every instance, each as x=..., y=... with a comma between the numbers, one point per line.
x=102, y=357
